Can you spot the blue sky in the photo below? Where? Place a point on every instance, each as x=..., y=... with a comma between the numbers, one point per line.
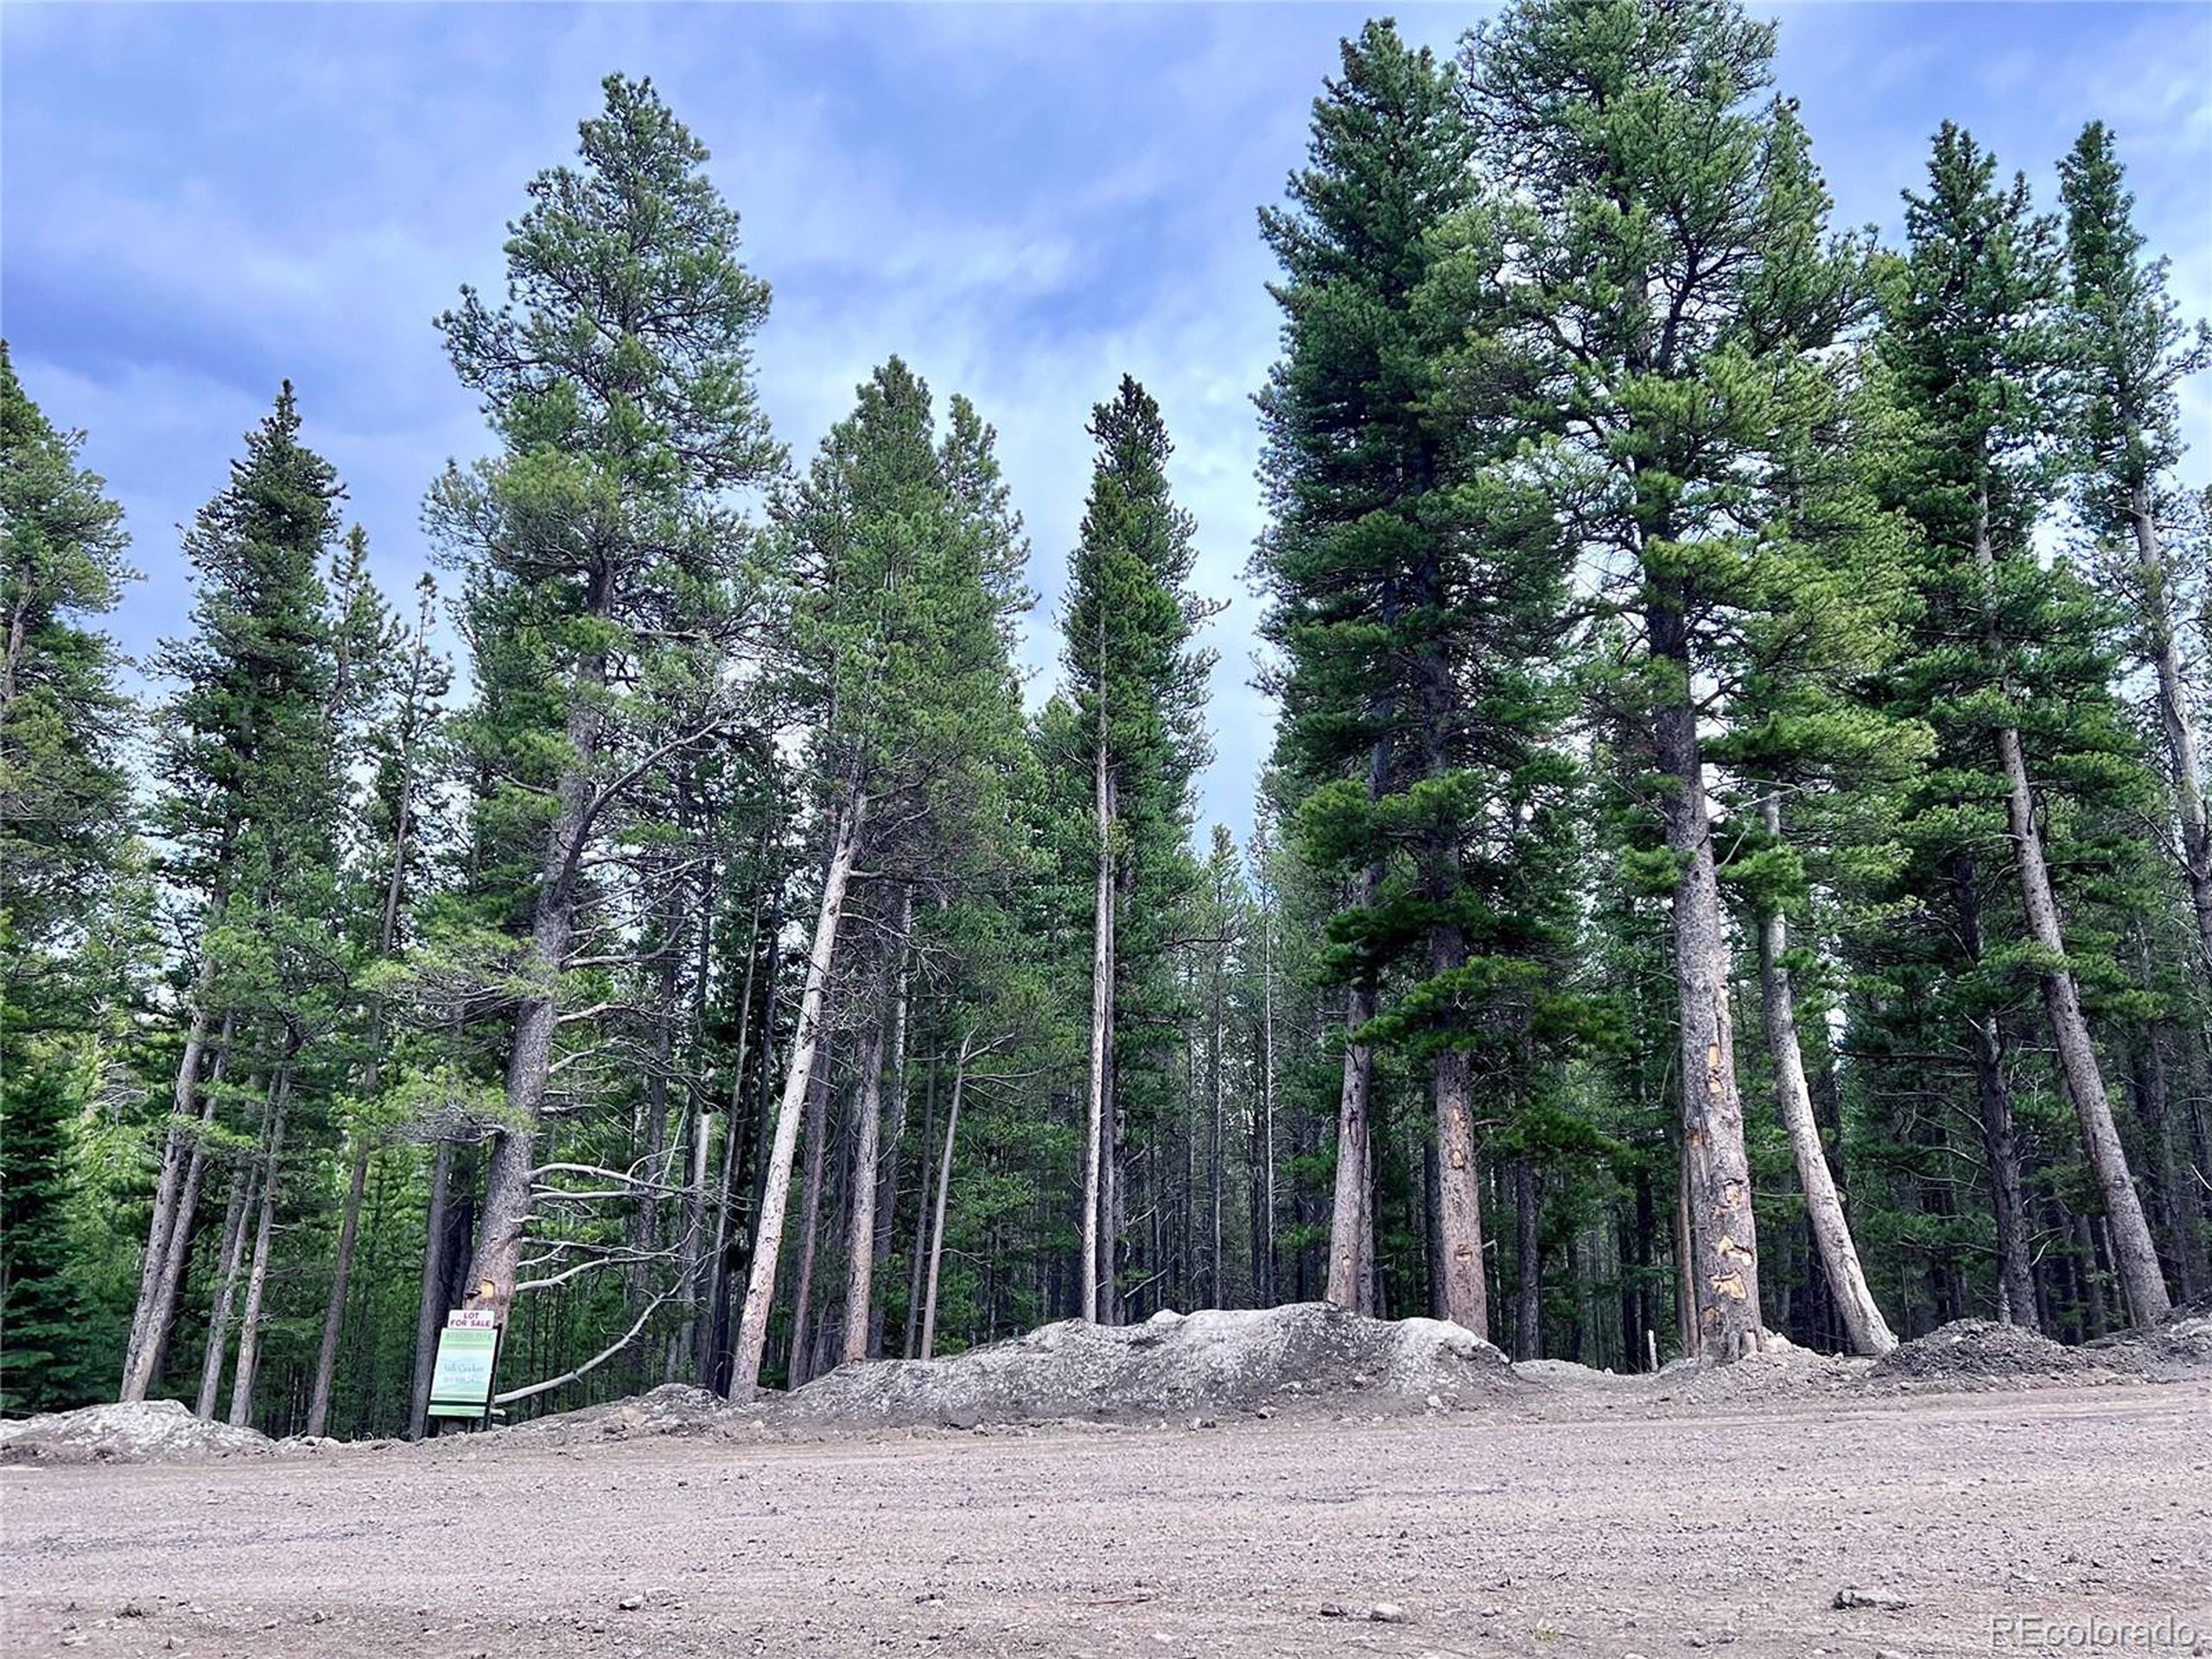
x=196, y=201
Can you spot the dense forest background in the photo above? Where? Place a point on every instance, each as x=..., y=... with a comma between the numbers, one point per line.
x=1735, y=858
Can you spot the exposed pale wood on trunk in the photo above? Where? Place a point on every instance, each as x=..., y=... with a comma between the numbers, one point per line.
x=767, y=1247
x=1723, y=1235
x=944, y=1186
x=2135, y=1258
x=1097, y=1242
x=1854, y=1302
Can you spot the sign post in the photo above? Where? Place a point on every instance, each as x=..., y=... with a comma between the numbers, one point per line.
x=460, y=1381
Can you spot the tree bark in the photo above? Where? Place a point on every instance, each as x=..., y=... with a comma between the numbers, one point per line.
x=333, y=1318
x=1723, y=1235
x=2137, y=1260
x=428, y=1319
x=944, y=1186
x=800, y=1366
x=242, y=1379
x=887, y=1195
x=1097, y=1244
x=177, y=1192
x=767, y=1246
x=860, y=1238
x=219, y=1316
x=1264, y=1232
x=1854, y=1302
x=1528, y=1260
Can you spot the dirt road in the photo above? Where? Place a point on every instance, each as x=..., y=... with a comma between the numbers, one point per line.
x=1494, y=1535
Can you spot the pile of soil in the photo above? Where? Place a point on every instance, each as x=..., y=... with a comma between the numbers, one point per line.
x=1172, y=1366
x=2179, y=1346
x=1780, y=1370
x=1970, y=1355
x=674, y=1409
x=147, y=1431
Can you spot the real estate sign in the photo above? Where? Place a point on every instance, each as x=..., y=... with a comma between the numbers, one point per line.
x=461, y=1381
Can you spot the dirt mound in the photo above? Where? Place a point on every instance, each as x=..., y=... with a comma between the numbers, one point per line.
x=1973, y=1354
x=674, y=1409
x=147, y=1431
x=1779, y=1370
x=1171, y=1366
x=2179, y=1346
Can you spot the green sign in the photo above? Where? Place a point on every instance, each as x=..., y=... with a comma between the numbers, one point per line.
x=460, y=1382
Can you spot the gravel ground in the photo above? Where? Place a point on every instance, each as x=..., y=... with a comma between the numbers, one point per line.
x=1506, y=1531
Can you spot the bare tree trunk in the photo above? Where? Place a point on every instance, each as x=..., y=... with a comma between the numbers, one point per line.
x=256, y=1281
x=1458, y=1194
x=1096, y=1150
x=1351, y=1245
x=2000, y=1147
x=1264, y=1234
x=1529, y=1258
x=1723, y=1235
x=767, y=1247
x=944, y=1186
x=860, y=1238
x=333, y=1318
x=886, y=1196
x=2137, y=1260
x=1862, y=1318
x=1214, y=1069
x=428, y=1319
x=921, y=1219
x=714, y=1341
x=219, y=1316
x=177, y=1194
x=797, y=1370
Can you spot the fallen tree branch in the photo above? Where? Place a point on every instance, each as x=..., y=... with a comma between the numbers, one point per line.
x=589, y=1365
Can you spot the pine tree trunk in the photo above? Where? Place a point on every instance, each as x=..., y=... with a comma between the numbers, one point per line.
x=917, y=1256
x=1214, y=1084
x=1350, y=1282
x=333, y=1318
x=1097, y=1242
x=1854, y=1302
x=176, y=1193
x=944, y=1186
x=2000, y=1145
x=767, y=1245
x=859, y=1239
x=1264, y=1233
x=256, y=1281
x=809, y=1223
x=714, y=1347
x=886, y=1196
x=429, y=1314
x=1458, y=1194
x=219, y=1316
x=1723, y=1235
x=2138, y=1260
x=506, y=1216
x=1528, y=1262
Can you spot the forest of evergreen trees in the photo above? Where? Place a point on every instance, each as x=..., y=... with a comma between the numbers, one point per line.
x=1734, y=858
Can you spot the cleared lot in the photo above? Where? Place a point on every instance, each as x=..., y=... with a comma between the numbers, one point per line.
x=1493, y=1534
